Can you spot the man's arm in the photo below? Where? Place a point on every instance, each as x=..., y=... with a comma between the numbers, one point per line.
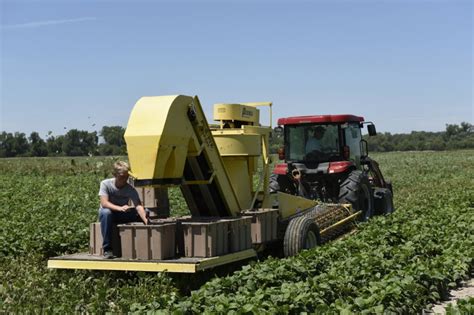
x=138, y=205
x=142, y=213
x=105, y=203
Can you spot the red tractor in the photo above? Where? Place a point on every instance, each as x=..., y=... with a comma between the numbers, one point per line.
x=327, y=159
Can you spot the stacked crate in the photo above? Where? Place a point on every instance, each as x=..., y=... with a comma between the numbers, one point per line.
x=155, y=199
x=208, y=237
x=188, y=236
x=148, y=242
x=240, y=234
x=264, y=225
x=95, y=240
x=205, y=237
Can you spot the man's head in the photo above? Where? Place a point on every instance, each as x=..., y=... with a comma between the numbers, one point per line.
x=121, y=173
x=318, y=132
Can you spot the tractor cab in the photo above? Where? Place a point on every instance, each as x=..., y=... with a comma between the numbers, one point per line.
x=313, y=140
x=326, y=158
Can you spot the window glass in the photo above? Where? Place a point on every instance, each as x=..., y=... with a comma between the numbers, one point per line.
x=353, y=136
x=313, y=142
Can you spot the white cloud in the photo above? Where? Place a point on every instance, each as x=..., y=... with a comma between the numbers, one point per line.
x=47, y=23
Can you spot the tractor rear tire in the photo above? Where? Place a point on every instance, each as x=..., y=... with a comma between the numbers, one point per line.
x=273, y=185
x=383, y=201
x=356, y=190
x=302, y=233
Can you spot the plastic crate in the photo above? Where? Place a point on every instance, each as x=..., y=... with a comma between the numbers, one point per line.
x=148, y=242
x=264, y=225
x=240, y=234
x=205, y=237
x=95, y=240
x=155, y=199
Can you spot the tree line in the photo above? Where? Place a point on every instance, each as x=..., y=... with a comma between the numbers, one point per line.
x=84, y=143
x=73, y=143
x=455, y=137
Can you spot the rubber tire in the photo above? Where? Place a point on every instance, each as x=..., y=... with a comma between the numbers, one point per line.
x=383, y=201
x=273, y=185
x=356, y=190
x=302, y=233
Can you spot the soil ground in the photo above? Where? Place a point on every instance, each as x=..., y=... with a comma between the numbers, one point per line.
x=460, y=293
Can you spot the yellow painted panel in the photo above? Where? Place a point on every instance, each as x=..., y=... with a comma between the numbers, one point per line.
x=121, y=265
x=232, y=112
x=290, y=205
x=175, y=267
x=238, y=144
x=158, y=136
x=218, y=261
x=241, y=180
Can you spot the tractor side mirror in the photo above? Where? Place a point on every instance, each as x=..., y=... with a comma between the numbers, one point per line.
x=371, y=129
x=278, y=131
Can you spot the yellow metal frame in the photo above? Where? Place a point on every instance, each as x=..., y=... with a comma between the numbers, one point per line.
x=339, y=223
x=174, y=267
x=290, y=205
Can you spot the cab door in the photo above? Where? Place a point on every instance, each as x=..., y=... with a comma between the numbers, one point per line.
x=353, y=137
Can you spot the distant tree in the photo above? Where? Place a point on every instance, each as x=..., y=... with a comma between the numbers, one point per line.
x=21, y=145
x=113, y=135
x=452, y=130
x=438, y=144
x=55, y=145
x=107, y=149
x=466, y=127
x=114, y=141
x=80, y=143
x=12, y=145
x=37, y=145
x=3, y=144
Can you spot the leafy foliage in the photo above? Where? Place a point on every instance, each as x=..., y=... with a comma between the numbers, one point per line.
x=80, y=143
x=455, y=137
x=400, y=263
x=397, y=263
x=46, y=208
x=463, y=306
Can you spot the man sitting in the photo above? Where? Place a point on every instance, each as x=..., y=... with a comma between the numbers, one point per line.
x=115, y=194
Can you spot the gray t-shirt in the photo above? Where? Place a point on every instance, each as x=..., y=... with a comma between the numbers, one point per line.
x=119, y=197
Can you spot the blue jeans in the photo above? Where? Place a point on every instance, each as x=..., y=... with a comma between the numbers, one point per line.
x=108, y=218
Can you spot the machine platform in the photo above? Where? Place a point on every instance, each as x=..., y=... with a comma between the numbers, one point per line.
x=178, y=265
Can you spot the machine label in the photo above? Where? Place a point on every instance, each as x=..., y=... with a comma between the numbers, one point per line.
x=246, y=113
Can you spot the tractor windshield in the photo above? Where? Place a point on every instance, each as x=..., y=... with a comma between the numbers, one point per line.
x=312, y=142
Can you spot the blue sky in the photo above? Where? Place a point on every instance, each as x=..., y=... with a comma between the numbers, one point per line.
x=406, y=65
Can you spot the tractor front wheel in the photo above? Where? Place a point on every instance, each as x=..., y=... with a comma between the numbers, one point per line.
x=301, y=233
x=356, y=190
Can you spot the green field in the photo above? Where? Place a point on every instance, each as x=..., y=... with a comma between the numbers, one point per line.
x=400, y=263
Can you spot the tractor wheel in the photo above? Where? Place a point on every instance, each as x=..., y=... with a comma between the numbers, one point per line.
x=302, y=233
x=273, y=185
x=357, y=191
x=383, y=201
x=281, y=183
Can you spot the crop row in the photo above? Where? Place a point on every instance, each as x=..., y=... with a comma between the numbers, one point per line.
x=401, y=263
